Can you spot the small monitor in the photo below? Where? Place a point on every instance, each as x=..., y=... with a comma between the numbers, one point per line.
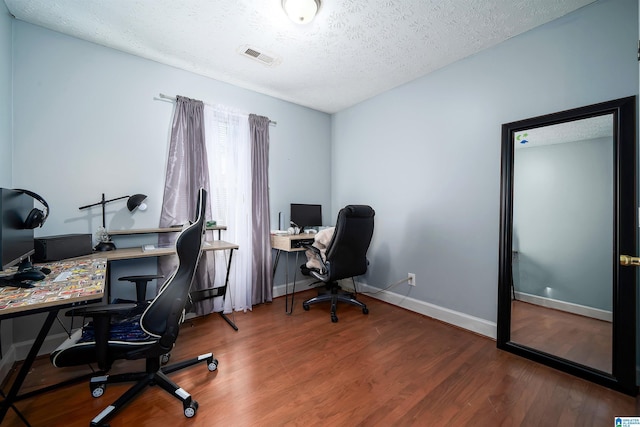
x=16, y=241
x=306, y=216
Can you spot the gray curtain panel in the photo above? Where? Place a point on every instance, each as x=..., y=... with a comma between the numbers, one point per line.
x=187, y=171
x=262, y=285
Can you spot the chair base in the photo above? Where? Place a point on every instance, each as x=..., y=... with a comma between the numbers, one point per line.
x=334, y=295
x=153, y=375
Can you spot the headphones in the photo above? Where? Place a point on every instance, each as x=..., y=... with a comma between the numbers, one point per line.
x=36, y=217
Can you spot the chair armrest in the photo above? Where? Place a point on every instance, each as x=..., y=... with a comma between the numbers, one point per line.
x=101, y=310
x=317, y=254
x=141, y=277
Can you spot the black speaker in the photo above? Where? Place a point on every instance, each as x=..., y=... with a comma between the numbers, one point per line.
x=55, y=248
x=36, y=217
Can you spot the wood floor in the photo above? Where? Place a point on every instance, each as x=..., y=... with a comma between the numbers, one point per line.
x=391, y=367
x=582, y=339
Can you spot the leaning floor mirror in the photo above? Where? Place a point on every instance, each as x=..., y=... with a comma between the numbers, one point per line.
x=567, y=289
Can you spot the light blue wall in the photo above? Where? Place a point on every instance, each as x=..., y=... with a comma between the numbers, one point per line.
x=87, y=120
x=5, y=124
x=5, y=97
x=426, y=155
x=87, y=116
x=562, y=222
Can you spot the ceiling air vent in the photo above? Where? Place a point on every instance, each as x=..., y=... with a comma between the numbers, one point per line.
x=263, y=58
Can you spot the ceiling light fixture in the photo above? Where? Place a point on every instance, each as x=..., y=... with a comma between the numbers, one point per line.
x=301, y=11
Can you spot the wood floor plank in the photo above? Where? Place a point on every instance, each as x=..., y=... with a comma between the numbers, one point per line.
x=390, y=367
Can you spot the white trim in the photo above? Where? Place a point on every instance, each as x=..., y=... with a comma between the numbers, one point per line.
x=301, y=285
x=51, y=342
x=7, y=362
x=461, y=320
x=568, y=307
x=452, y=317
x=18, y=351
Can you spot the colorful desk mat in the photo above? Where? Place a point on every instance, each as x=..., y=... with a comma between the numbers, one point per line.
x=86, y=278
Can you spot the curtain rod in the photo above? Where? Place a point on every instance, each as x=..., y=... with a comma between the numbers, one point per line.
x=173, y=98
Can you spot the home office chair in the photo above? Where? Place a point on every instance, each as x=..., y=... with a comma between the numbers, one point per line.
x=146, y=330
x=345, y=257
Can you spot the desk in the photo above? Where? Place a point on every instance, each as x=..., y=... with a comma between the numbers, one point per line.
x=138, y=252
x=218, y=228
x=289, y=243
x=85, y=284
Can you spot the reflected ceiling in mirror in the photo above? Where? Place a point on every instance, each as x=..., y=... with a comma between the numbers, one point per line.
x=577, y=130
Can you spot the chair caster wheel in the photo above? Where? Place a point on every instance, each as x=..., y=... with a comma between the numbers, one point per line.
x=334, y=318
x=305, y=306
x=365, y=310
x=212, y=365
x=97, y=390
x=191, y=409
x=164, y=359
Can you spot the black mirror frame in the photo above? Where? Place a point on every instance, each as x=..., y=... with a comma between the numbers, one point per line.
x=623, y=374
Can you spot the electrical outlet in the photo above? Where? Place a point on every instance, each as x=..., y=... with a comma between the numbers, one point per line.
x=412, y=279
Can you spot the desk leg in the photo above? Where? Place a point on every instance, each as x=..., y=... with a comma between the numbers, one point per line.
x=26, y=367
x=275, y=264
x=286, y=286
x=295, y=273
x=226, y=287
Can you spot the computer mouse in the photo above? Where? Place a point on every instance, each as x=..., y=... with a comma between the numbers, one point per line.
x=28, y=275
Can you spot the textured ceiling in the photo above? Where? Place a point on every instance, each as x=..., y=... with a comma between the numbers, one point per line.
x=351, y=51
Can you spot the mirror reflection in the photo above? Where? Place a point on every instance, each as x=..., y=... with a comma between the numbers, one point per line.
x=562, y=248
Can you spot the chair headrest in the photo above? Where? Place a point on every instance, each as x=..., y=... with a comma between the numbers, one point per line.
x=360, y=211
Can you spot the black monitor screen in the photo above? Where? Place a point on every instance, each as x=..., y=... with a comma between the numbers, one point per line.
x=16, y=242
x=306, y=215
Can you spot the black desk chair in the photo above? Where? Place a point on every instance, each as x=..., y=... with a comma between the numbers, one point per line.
x=346, y=257
x=146, y=330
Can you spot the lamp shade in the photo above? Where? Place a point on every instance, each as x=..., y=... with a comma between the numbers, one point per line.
x=301, y=11
x=136, y=201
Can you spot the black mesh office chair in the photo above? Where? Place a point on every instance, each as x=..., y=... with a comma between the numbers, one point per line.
x=345, y=257
x=146, y=330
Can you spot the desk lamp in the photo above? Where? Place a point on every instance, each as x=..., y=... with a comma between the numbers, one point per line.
x=104, y=240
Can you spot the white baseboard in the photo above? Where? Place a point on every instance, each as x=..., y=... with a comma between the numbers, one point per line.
x=568, y=307
x=452, y=317
x=461, y=320
x=7, y=362
x=301, y=285
x=18, y=351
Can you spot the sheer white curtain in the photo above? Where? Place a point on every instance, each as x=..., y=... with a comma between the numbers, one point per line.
x=229, y=157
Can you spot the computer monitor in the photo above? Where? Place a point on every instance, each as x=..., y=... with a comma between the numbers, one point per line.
x=16, y=241
x=305, y=216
